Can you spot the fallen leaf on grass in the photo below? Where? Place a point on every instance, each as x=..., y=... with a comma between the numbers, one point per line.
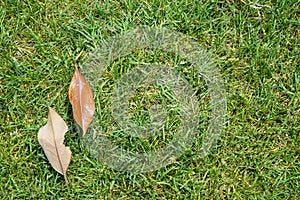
x=81, y=98
x=51, y=138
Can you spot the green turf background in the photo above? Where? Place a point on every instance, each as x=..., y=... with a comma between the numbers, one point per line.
x=255, y=44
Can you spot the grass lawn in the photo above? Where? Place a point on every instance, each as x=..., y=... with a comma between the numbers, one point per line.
x=254, y=44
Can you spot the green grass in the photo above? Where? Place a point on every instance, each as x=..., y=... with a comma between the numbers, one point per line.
x=255, y=46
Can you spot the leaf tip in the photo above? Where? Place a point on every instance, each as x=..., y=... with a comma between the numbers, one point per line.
x=66, y=180
x=50, y=109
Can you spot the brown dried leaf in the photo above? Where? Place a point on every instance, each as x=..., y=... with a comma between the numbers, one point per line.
x=51, y=138
x=81, y=98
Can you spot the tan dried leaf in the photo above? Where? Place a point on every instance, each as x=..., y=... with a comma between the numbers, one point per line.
x=81, y=98
x=51, y=138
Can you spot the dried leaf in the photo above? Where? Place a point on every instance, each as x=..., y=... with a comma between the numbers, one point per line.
x=81, y=98
x=51, y=138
